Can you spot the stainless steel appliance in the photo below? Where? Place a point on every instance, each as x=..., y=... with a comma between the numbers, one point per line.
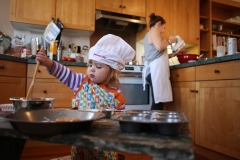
x=132, y=88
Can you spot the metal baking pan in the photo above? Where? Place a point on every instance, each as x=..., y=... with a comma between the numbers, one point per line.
x=43, y=122
x=163, y=122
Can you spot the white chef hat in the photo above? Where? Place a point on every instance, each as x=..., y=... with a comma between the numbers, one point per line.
x=113, y=51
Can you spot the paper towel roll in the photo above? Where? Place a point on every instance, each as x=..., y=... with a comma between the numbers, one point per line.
x=232, y=46
x=34, y=47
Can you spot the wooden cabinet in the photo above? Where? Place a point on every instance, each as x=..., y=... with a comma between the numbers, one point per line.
x=74, y=14
x=209, y=96
x=130, y=7
x=48, y=86
x=184, y=94
x=217, y=107
x=215, y=12
x=12, y=80
x=217, y=116
x=184, y=100
x=181, y=18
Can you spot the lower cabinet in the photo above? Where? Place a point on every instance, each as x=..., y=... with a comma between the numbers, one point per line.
x=217, y=125
x=11, y=87
x=47, y=86
x=184, y=100
x=209, y=95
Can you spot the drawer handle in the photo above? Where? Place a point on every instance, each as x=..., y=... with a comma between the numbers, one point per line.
x=216, y=71
x=193, y=91
x=44, y=91
x=1, y=67
x=39, y=71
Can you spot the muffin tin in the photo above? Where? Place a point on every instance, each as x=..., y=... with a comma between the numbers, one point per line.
x=163, y=122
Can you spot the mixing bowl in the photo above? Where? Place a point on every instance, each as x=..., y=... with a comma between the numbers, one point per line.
x=185, y=58
x=21, y=103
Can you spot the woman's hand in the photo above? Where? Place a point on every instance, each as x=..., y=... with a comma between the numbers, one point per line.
x=172, y=39
x=43, y=59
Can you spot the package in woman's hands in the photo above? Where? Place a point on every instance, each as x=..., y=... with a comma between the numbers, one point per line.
x=178, y=45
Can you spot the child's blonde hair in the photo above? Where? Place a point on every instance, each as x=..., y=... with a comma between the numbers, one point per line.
x=112, y=80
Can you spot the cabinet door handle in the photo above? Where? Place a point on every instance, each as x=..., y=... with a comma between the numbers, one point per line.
x=120, y=6
x=193, y=91
x=1, y=67
x=39, y=71
x=216, y=71
x=197, y=38
x=44, y=91
x=124, y=7
x=177, y=75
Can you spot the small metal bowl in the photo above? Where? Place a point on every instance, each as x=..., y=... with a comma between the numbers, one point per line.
x=34, y=103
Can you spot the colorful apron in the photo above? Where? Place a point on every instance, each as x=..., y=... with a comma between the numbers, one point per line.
x=94, y=96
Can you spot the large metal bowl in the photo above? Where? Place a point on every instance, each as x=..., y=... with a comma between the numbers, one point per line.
x=22, y=103
x=43, y=122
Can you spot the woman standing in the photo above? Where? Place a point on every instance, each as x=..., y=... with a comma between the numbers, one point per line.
x=156, y=67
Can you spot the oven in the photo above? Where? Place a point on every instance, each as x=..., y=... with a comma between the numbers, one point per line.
x=132, y=88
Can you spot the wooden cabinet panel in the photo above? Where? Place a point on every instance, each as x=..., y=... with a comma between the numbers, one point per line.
x=183, y=74
x=10, y=68
x=11, y=87
x=217, y=115
x=52, y=88
x=225, y=70
x=32, y=11
x=109, y=5
x=76, y=14
x=48, y=86
x=182, y=17
x=134, y=7
x=184, y=100
x=130, y=7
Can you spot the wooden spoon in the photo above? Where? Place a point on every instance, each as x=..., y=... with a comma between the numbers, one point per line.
x=33, y=79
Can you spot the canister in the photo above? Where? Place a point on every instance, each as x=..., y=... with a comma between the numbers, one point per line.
x=232, y=46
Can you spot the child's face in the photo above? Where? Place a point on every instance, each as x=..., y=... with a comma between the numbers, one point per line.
x=98, y=72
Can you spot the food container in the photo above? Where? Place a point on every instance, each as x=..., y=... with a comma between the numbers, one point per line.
x=43, y=122
x=185, y=58
x=22, y=103
x=167, y=123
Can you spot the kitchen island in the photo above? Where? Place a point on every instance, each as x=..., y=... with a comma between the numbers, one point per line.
x=106, y=133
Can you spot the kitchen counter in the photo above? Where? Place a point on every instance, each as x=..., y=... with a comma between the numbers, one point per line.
x=183, y=65
x=32, y=61
x=106, y=133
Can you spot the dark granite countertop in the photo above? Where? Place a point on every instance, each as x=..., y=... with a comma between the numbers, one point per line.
x=32, y=61
x=183, y=65
x=106, y=133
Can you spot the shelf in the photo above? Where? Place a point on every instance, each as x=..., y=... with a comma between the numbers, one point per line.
x=227, y=25
x=204, y=30
x=203, y=18
x=225, y=34
x=204, y=50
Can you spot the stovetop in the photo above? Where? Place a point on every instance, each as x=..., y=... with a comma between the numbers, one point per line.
x=134, y=69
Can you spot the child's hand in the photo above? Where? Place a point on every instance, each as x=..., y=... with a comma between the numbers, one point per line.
x=43, y=59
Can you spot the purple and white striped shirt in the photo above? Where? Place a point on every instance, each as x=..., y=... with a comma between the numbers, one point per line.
x=66, y=76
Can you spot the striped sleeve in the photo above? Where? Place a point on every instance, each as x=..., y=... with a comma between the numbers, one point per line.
x=66, y=76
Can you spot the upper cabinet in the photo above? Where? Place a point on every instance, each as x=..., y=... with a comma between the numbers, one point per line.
x=130, y=7
x=181, y=18
x=32, y=11
x=74, y=14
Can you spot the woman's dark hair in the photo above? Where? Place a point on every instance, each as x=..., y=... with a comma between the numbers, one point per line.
x=154, y=19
